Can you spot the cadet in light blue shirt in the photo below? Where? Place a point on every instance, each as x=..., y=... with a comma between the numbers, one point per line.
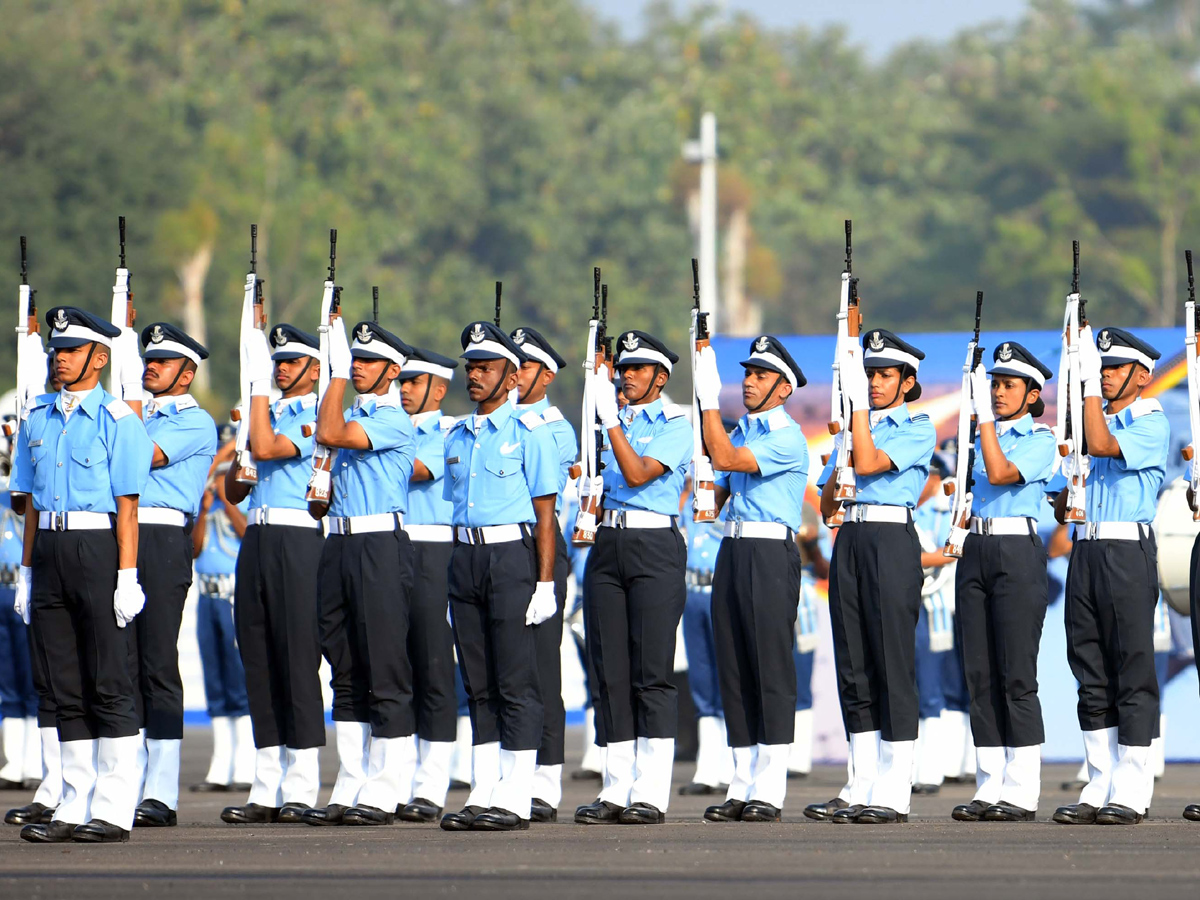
x=275, y=590
x=502, y=474
x=1112, y=583
x=1001, y=585
x=762, y=473
x=366, y=573
x=185, y=441
x=635, y=591
x=875, y=576
x=537, y=373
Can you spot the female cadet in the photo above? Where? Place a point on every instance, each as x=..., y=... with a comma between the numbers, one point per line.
x=1000, y=587
x=875, y=579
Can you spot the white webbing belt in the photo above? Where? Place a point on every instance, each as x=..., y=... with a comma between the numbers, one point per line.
x=774, y=531
x=870, y=512
x=1003, y=525
x=365, y=524
x=279, y=515
x=161, y=515
x=430, y=534
x=635, y=518
x=1112, y=531
x=74, y=521
x=490, y=534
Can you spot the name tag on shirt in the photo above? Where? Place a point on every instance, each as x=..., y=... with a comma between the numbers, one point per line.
x=452, y=460
x=37, y=443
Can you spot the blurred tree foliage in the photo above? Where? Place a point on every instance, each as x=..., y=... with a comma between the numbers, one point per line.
x=456, y=142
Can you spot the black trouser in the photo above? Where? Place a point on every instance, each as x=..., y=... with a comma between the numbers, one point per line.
x=165, y=574
x=275, y=604
x=1112, y=589
x=84, y=655
x=1194, y=589
x=431, y=642
x=547, y=640
x=635, y=596
x=365, y=585
x=490, y=589
x=756, y=588
x=47, y=714
x=874, y=599
x=999, y=606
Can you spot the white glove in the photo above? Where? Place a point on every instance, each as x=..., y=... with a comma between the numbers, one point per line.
x=981, y=396
x=543, y=605
x=259, y=366
x=24, y=583
x=707, y=379
x=854, y=381
x=128, y=598
x=605, y=394
x=1089, y=363
x=129, y=364
x=339, y=350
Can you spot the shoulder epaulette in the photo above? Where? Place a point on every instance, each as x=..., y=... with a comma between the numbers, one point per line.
x=552, y=414
x=1144, y=407
x=532, y=420
x=919, y=417
x=307, y=400
x=673, y=411
x=445, y=423
x=186, y=401
x=118, y=409
x=1039, y=428
x=777, y=419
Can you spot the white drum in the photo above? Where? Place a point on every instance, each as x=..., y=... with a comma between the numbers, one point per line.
x=1175, y=532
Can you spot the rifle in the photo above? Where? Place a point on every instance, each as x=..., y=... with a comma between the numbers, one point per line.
x=704, y=497
x=1189, y=339
x=1069, y=428
x=320, y=483
x=591, y=482
x=375, y=304
x=499, y=289
x=963, y=484
x=253, y=317
x=123, y=314
x=31, y=357
x=849, y=323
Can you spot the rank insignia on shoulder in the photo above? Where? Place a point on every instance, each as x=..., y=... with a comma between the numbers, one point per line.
x=532, y=420
x=118, y=408
x=552, y=414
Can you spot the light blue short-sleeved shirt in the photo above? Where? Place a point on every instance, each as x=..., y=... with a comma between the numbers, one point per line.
x=495, y=468
x=564, y=439
x=283, y=483
x=909, y=442
x=12, y=534
x=369, y=482
x=659, y=432
x=1032, y=449
x=426, y=505
x=221, y=543
x=84, y=462
x=1125, y=488
x=703, y=542
x=187, y=435
x=776, y=492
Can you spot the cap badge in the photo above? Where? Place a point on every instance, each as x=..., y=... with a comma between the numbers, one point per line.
x=875, y=342
x=280, y=336
x=156, y=334
x=1105, y=341
x=630, y=342
x=363, y=335
x=477, y=333
x=60, y=321
x=1005, y=354
x=519, y=336
x=762, y=344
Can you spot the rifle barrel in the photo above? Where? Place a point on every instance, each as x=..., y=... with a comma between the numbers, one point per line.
x=25, y=263
x=499, y=290
x=595, y=292
x=375, y=304
x=1187, y=254
x=253, y=248
x=978, y=312
x=695, y=282
x=849, y=251
x=121, y=230
x=1075, y=267
x=332, y=254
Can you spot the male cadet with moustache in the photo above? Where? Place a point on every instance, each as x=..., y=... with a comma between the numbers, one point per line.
x=762, y=471
x=1001, y=588
x=534, y=378
x=84, y=457
x=366, y=572
x=185, y=442
x=502, y=476
x=875, y=579
x=275, y=587
x=423, y=382
x=635, y=584
x=1112, y=581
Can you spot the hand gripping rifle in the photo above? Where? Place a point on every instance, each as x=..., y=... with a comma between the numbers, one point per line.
x=253, y=318
x=963, y=483
x=1189, y=339
x=849, y=323
x=321, y=481
x=123, y=314
x=31, y=357
x=704, y=497
x=591, y=482
x=1069, y=428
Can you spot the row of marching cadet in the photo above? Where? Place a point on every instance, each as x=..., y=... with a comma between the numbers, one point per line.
x=362, y=527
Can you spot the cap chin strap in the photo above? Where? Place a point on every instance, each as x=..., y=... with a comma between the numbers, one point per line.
x=87, y=361
x=170, y=387
x=299, y=375
x=425, y=396
x=654, y=378
x=1023, y=408
x=1125, y=383
x=382, y=375
x=754, y=409
x=541, y=368
x=499, y=384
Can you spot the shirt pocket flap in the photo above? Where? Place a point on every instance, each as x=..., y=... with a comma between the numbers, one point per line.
x=504, y=466
x=88, y=456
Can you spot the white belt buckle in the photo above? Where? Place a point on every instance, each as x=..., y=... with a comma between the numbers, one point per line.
x=618, y=518
x=58, y=521
x=1091, y=530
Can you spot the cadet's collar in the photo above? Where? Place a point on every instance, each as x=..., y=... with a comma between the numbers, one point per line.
x=304, y=401
x=89, y=404
x=537, y=406
x=651, y=410
x=1023, y=425
x=168, y=405
x=898, y=414
x=372, y=402
x=497, y=416
x=428, y=418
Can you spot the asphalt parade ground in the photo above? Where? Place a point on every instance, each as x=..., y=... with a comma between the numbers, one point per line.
x=930, y=857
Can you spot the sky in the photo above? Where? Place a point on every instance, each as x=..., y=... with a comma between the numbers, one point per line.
x=879, y=25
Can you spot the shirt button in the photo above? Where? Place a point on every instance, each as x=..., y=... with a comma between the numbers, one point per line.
x=56, y=496
x=476, y=446
x=472, y=474
x=471, y=505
